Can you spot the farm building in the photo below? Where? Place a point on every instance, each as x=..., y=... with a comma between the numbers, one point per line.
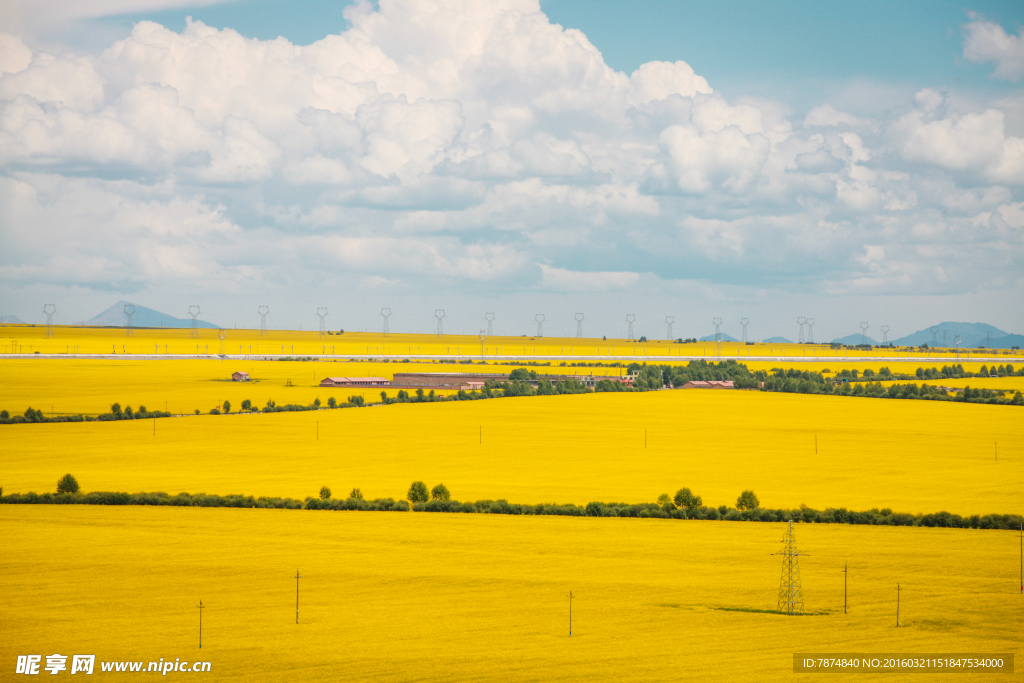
x=355, y=382
x=445, y=380
x=239, y=376
x=712, y=384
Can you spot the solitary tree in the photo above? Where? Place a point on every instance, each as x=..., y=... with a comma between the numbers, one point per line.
x=747, y=501
x=418, y=492
x=67, y=484
x=440, y=492
x=356, y=493
x=325, y=493
x=332, y=402
x=246, y=404
x=227, y=407
x=316, y=401
x=685, y=499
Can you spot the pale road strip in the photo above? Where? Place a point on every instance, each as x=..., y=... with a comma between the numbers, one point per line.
x=516, y=358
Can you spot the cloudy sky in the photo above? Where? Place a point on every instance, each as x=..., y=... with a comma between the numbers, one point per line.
x=857, y=162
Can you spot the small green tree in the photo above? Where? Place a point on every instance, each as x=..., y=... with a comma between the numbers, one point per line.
x=417, y=492
x=685, y=499
x=116, y=409
x=246, y=404
x=356, y=493
x=356, y=400
x=67, y=484
x=666, y=503
x=332, y=402
x=747, y=501
x=440, y=492
x=227, y=407
x=325, y=493
x=316, y=402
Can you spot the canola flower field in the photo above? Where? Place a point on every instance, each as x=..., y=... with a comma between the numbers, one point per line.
x=89, y=386
x=395, y=596
x=824, y=451
x=419, y=596
x=70, y=340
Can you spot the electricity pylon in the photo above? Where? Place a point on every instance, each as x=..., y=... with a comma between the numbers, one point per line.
x=791, y=595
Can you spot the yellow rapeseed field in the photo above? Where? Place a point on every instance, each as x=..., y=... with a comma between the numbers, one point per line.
x=106, y=340
x=431, y=597
x=859, y=453
x=89, y=386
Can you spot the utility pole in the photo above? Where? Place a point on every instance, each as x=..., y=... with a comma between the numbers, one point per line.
x=846, y=575
x=570, y=613
x=200, y=624
x=898, y=605
x=297, y=577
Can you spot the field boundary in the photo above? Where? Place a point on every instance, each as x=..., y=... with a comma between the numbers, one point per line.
x=804, y=514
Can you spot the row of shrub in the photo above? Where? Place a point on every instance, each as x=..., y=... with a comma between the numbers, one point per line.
x=179, y=500
x=34, y=415
x=884, y=517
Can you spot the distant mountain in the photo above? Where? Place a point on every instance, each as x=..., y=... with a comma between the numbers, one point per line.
x=1007, y=342
x=143, y=317
x=12, y=320
x=971, y=334
x=854, y=339
x=776, y=340
x=725, y=337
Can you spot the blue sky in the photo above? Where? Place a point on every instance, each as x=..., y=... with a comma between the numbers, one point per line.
x=847, y=161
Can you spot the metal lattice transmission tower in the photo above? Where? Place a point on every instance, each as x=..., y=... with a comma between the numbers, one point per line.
x=935, y=336
x=800, y=322
x=944, y=333
x=49, y=310
x=264, y=311
x=193, y=311
x=669, y=320
x=630, y=319
x=579, y=325
x=885, y=333
x=540, y=325
x=386, y=313
x=439, y=314
x=864, y=333
x=717, y=322
x=810, y=330
x=791, y=594
x=321, y=313
x=129, y=311
x=489, y=317
x=744, y=322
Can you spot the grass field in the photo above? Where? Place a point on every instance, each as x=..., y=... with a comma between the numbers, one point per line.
x=912, y=456
x=106, y=340
x=428, y=597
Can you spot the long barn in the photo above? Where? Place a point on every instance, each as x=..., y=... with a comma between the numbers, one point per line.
x=355, y=382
